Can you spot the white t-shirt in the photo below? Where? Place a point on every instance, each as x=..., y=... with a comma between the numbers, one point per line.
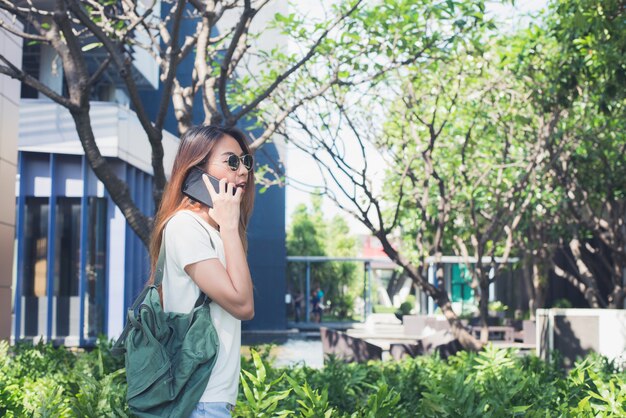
x=187, y=242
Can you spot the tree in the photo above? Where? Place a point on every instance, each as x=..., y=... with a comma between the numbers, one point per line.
x=464, y=153
x=310, y=234
x=574, y=67
x=305, y=237
x=342, y=48
x=340, y=131
x=341, y=243
x=537, y=241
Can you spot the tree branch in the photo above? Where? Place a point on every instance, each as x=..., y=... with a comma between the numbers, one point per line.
x=254, y=103
x=14, y=72
x=242, y=26
x=172, y=53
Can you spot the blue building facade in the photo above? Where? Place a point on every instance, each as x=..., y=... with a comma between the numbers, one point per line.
x=71, y=246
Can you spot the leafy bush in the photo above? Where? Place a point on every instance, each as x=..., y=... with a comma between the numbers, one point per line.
x=384, y=309
x=45, y=381
x=406, y=308
x=492, y=383
x=343, y=305
x=562, y=303
x=497, y=306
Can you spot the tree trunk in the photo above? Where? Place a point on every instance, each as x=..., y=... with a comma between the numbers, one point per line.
x=118, y=189
x=483, y=309
x=534, y=273
x=458, y=330
x=539, y=281
x=440, y=296
x=527, y=274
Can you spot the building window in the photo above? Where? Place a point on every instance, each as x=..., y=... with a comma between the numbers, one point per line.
x=35, y=266
x=67, y=266
x=460, y=284
x=66, y=298
x=95, y=295
x=30, y=65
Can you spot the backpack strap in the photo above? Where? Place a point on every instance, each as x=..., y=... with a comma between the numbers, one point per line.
x=118, y=347
x=160, y=266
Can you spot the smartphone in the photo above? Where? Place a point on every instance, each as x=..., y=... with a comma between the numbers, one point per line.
x=194, y=187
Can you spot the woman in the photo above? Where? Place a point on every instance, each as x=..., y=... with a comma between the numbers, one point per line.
x=206, y=250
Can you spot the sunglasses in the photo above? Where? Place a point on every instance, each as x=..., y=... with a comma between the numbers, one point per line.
x=233, y=161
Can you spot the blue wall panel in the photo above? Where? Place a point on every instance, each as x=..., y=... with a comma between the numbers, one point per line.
x=267, y=253
x=36, y=170
x=52, y=175
x=137, y=265
x=68, y=178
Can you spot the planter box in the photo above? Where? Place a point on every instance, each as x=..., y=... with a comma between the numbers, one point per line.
x=576, y=332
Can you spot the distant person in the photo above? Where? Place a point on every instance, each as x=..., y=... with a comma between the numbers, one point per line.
x=297, y=305
x=316, y=306
x=320, y=296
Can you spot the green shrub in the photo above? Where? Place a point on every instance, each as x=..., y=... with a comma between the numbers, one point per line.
x=384, y=309
x=562, y=303
x=343, y=306
x=42, y=381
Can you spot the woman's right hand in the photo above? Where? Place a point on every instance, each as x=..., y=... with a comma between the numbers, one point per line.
x=226, y=204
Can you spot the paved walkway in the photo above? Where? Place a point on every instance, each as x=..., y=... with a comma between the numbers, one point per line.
x=314, y=326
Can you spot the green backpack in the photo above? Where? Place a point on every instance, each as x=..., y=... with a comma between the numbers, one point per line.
x=169, y=356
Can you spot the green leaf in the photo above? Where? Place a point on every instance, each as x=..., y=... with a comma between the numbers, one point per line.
x=91, y=46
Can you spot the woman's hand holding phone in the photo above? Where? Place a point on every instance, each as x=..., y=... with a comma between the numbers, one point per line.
x=226, y=204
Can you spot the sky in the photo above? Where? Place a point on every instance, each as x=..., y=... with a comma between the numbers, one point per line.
x=302, y=169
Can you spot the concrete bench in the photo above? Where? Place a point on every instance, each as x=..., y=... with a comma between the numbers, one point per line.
x=347, y=348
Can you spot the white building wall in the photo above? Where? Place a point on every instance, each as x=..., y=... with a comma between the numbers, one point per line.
x=11, y=48
x=116, y=272
x=48, y=127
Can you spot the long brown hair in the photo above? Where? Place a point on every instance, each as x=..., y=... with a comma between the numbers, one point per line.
x=195, y=149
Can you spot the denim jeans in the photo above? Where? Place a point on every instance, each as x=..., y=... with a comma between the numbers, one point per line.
x=212, y=410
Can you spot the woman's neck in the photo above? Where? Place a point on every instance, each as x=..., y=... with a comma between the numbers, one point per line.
x=203, y=212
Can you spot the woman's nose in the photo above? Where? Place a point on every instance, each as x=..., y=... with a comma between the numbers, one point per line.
x=242, y=170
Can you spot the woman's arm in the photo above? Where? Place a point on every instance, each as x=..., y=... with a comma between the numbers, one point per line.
x=230, y=287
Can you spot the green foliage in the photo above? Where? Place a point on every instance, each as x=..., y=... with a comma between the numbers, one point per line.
x=383, y=403
x=574, y=73
x=406, y=307
x=262, y=399
x=312, y=402
x=312, y=235
x=384, y=309
x=491, y=383
x=562, y=303
x=497, y=306
x=44, y=381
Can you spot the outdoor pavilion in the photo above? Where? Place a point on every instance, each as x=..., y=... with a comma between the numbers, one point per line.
x=384, y=263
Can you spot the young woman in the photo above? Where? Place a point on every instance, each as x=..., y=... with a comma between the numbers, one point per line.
x=206, y=249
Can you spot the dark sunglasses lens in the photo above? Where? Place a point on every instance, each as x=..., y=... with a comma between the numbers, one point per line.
x=247, y=161
x=233, y=162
